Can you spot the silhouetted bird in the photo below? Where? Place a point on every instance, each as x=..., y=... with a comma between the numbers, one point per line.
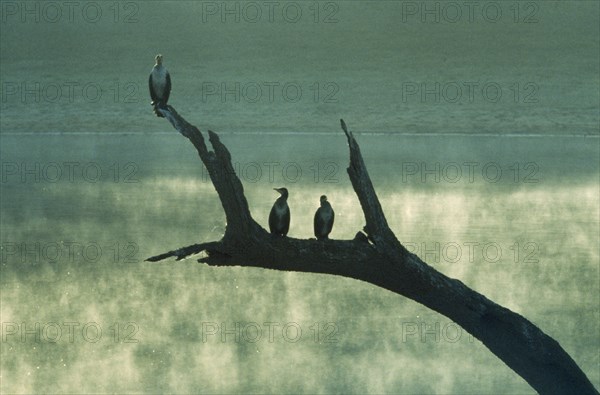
x=324, y=219
x=279, y=219
x=159, y=83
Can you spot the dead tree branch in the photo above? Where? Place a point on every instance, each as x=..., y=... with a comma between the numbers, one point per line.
x=380, y=259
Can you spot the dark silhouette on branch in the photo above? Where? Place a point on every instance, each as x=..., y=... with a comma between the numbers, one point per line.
x=377, y=257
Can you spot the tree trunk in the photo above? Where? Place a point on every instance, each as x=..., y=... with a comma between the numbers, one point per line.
x=377, y=257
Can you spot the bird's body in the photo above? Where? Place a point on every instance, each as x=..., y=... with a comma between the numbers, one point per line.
x=159, y=83
x=279, y=218
x=324, y=218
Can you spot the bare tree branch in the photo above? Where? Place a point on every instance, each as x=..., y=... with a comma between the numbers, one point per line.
x=380, y=259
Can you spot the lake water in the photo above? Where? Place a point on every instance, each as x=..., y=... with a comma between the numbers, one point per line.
x=501, y=193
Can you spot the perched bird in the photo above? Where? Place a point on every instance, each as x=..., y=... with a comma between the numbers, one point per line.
x=279, y=219
x=160, y=85
x=324, y=219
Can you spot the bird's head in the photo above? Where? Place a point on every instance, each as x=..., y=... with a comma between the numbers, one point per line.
x=158, y=59
x=323, y=199
x=282, y=191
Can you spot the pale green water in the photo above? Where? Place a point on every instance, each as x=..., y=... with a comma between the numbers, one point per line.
x=554, y=282
x=73, y=246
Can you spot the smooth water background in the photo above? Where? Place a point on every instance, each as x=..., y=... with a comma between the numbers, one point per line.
x=541, y=215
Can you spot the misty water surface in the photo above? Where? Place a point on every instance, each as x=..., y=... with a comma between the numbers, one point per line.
x=502, y=195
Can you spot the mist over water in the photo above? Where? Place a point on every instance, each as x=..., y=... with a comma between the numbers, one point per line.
x=502, y=195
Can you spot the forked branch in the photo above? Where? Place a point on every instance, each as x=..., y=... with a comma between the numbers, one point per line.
x=380, y=259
